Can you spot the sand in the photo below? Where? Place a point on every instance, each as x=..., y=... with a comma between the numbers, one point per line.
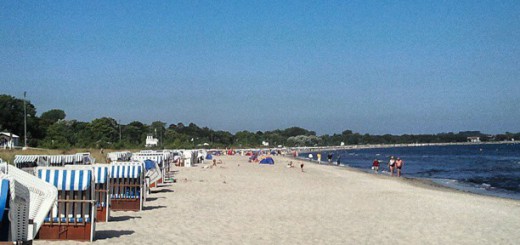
x=273, y=204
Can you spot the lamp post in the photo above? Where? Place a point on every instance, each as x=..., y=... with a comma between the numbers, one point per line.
x=24, y=121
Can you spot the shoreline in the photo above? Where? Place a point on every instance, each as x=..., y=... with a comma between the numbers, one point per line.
x=378, y=146
x=423, y=182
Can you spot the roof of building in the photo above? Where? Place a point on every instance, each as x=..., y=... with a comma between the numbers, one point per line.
x=9, y=134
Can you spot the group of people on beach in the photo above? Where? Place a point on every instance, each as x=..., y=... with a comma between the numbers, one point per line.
x=393, y=164
x=291, y=165
x=329, y=158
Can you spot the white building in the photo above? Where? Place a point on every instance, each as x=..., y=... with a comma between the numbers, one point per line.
x=474, y=139
x=151, y=141
x=8, y=140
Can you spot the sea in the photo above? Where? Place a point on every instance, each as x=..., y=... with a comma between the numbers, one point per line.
x=486, y=169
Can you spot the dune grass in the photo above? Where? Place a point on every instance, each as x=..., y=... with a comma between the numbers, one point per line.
x=8, y=155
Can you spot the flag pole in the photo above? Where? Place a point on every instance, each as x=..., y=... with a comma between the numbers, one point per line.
x=25, y=119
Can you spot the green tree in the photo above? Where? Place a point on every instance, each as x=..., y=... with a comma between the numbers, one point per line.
x=52, y=116
x=104, y=131
x=12, y=118
x=134, y=133
x=59, y=135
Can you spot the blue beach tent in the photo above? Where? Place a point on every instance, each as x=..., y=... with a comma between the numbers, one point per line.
x=267, y=160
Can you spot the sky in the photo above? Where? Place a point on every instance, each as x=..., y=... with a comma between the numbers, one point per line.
x=398, y=67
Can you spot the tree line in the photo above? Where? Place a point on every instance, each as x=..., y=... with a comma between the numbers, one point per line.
x=52, y=130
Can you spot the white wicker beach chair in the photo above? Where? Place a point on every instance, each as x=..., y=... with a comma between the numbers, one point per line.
x=153, y=163
x=127, y=187
x=30, y=201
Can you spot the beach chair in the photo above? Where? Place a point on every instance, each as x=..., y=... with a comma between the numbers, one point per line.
x=56, y=160
x=4, y=208
x=83, y=159
x=101, y=190
x=68, y=159
x=30, y=161
x=119, y=156
x=127, y=187
x=153, y=174
x=29, y=201
x=73, y=218
x=153, y=166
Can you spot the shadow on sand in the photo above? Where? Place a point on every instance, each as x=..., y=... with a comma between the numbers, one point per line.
x=100, y=235
x=151, y=199
x=162, y=190
x=146, y=208
x=123, y=218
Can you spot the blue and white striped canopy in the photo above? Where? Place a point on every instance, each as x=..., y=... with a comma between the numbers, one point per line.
x=66, y=179
x=55, y=159
x=25, y=158
x=126, y=170
x=68, y=159
x=101, y=174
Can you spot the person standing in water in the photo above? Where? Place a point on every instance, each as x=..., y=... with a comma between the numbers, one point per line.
x=319, y=157
x=329, y=157
x=391, y=165
x=310, y=157
x=399, y=165
x=375, y=166
x=338, y=161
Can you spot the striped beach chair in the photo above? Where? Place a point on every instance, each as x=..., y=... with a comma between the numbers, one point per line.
x=83, y=159
x=119, y=156
x=102, y=191
x=68, y=159
x=73, y=218
x=29, y=200
x=127, y=187
x=56, y=160
x=30, y=161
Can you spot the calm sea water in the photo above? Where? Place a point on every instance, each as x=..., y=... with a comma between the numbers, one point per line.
x=491, y=169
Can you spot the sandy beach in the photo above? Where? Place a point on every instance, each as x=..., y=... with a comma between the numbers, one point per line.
x=245, y=203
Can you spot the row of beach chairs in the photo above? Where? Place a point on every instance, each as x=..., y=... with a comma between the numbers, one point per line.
x=71, y=198
x=30, y=161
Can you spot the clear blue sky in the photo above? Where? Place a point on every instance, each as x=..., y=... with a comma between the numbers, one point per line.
x=370, y=66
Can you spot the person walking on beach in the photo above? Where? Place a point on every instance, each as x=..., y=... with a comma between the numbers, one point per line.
x=319, y=158
x=399, y=165
x=391, y=164
x=301, y=165
x=375, y=166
